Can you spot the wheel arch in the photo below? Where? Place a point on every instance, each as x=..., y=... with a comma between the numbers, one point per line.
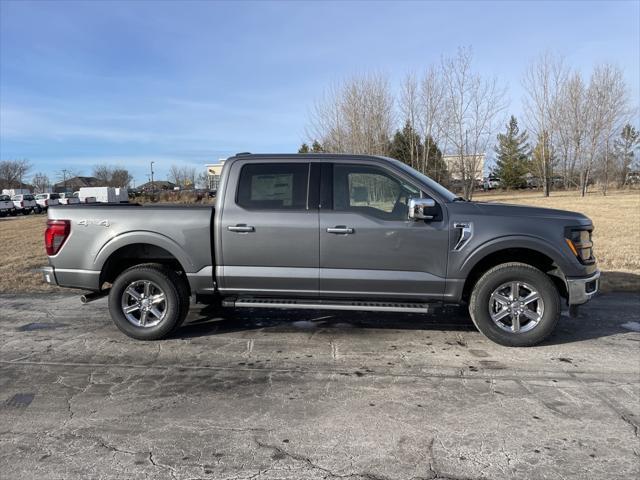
x=531, y=252
x=136, y=253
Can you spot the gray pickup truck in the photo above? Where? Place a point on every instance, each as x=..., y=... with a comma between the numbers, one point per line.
x=321, y=231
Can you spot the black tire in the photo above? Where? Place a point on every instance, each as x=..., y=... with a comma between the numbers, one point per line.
x=479, y=304
x=175, y=306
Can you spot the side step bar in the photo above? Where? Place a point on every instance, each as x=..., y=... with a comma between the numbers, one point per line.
x=372, y=306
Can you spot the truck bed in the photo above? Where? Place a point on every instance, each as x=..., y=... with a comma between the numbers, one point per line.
x=99, y=231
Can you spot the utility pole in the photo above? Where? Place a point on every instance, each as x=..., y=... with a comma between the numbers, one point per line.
x=153, y=185
x=64, y=179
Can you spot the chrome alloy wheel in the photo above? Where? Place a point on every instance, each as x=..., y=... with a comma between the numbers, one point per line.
x=516, y=307
x=144, y=304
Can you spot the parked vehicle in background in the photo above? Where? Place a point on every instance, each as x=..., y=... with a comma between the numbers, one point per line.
x=12, y=192
x=46, y=200
x=83, y=198
x=68, y=199
x=491, y=183
x=337, y=232
x=105, y=194
x=6, y=206
x=25, y=204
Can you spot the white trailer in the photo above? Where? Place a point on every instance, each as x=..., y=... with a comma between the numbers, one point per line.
x=12, y=192
x=104, y=194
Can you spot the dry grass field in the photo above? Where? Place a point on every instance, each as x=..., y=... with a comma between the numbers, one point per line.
x=616, y=218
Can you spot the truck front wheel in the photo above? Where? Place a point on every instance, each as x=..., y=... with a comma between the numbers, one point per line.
x=147, y=302
x=515, y=304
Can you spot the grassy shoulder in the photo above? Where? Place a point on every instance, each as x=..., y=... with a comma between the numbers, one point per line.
x=616, y=238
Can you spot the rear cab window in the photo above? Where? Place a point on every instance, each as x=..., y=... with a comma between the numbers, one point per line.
x=273, y=186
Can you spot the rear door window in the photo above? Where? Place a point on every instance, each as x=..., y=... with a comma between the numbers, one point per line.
x=273, y=186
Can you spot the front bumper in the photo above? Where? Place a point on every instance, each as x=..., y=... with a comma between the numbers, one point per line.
x=583, y=288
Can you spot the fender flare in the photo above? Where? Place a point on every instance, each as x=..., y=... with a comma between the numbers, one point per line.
x=514, y=241
x=142, y=237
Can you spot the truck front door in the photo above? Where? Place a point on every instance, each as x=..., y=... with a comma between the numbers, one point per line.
x=368, y=246
x=269, y=231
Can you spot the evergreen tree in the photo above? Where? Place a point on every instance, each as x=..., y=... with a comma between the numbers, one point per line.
x=625, y=147
x=430, y=164
x=304, y=148
x=435, y=167
x=512, y=162
x=316, y=147
x=402, y=143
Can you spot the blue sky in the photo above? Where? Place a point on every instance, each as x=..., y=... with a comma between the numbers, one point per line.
x=125, y=83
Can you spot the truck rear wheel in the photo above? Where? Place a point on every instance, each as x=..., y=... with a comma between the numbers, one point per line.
x=515, y=305
x=148, y=302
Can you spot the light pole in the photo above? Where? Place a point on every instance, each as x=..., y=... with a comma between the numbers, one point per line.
x=64, y=179
x=153, y=185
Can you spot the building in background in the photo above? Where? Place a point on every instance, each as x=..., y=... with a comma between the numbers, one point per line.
x=75, y=183
x=214, y=170
x=157, y=185
x=470, y=161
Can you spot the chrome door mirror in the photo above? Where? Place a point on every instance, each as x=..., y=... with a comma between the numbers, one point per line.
x=417, y=207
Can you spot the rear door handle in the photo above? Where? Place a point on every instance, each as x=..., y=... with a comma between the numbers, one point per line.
x=241, y=228
x=340, y=229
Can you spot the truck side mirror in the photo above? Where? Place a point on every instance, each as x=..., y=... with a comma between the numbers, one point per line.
x=417, y=207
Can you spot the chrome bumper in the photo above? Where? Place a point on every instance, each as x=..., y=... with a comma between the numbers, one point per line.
x=49, y=275
x=582, y=289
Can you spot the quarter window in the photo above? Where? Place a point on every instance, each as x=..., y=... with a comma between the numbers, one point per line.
x=273, y=186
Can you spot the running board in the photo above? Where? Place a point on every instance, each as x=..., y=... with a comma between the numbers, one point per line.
x=371, y=306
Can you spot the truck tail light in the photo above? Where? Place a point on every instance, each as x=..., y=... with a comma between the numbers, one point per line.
x=21, y=204
x=55, y=235
x=46, y=203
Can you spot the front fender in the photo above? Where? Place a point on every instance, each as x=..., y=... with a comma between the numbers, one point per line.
x=146, y=237
x=567, y=265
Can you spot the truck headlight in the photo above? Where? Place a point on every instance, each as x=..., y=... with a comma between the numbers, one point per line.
x=579, y=241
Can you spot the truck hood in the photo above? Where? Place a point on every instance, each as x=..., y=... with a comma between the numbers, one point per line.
x=510, y=210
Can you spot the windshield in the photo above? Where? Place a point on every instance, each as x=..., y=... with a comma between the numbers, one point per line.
x=5, y=198
x=40, y=196
x=432, y=184
x=28, y=197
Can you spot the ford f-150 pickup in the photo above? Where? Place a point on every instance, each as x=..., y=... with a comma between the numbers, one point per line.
x=325, y=231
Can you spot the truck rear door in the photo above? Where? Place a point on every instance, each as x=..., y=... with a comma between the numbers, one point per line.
x=269, y=231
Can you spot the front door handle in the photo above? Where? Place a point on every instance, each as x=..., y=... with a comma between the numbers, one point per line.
x=241, y=228
x=340, y=229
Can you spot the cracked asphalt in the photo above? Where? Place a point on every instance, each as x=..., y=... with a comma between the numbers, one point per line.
x=305, y=395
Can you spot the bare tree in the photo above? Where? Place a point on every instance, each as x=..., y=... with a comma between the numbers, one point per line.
x=355, y=116
x=183, y=176
x=543, y=81
x=12, y=173
x=614, y=111
x=472, y=106
x=110, y=176
x=431, y=118
x=409, y=108
x=40, y=182
x=571, y=120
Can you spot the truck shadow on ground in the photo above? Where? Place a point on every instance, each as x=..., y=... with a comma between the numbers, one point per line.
x=589, y=324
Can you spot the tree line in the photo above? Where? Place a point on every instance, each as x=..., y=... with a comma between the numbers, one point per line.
x=576, y=131
x=15, y=174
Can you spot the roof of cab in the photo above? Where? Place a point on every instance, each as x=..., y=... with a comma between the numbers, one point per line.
x=298, y=156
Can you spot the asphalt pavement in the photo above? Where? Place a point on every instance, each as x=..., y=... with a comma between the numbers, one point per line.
x=268, y=394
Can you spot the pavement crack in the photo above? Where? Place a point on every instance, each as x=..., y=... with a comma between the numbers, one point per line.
x=155, y=463
x=280, y=453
